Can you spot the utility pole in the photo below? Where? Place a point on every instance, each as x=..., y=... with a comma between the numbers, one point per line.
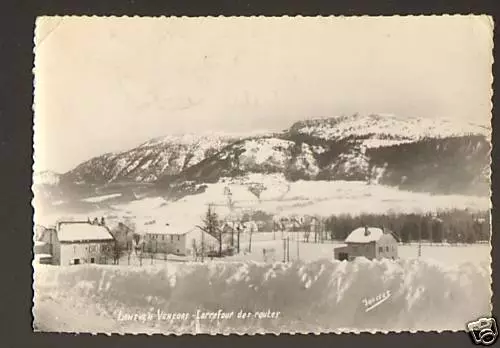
x=420, y=238
x=288, y=249
x=298, y=249
x=284, y=250
x=202, y=246
x=250, y=239
x=232, y=234
x=238, y=236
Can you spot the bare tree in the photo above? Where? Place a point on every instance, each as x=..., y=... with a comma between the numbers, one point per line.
x=114, y=252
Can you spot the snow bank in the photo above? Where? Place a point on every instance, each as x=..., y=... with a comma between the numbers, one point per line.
x=315, y=296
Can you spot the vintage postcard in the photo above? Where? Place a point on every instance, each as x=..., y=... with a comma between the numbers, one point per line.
x=262, y=175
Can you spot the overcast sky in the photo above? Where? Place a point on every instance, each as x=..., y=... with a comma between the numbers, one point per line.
x=105, y=85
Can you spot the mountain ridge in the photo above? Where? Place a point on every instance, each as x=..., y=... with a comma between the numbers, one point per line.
x=356, y=147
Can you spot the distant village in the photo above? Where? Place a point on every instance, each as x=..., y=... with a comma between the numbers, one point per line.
x=101, y=241
x=94, y=241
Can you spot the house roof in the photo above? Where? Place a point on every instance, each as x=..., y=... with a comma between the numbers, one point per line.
x=166, y=228
x=359, y=236
x=80, y=231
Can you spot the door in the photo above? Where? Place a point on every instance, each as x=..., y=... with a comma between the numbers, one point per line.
x=343, y=256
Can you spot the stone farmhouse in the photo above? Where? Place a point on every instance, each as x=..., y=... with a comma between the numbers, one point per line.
x=76, y=242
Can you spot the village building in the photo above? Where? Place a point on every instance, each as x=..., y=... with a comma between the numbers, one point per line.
x=369, y=242
x=178, y=240
x=42, y=252
x=76, y=242
x=123, y=234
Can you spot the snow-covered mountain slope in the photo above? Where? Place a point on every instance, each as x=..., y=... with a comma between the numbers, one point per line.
x=377, y=130
x=443, y=165
x=257, y=155
x=167, y=155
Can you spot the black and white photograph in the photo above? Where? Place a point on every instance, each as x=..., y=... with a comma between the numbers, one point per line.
x=249, y=175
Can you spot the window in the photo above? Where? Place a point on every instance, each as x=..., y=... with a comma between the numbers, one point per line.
x=171, y=238
x=343, y=256
x=178, y=251
x=162, y=237
x=380, y=249
x=76, y=261
x=178, y=238
x=92, y=260
x=387, y=248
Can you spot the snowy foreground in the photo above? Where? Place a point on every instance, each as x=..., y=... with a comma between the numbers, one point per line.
x=252, y=297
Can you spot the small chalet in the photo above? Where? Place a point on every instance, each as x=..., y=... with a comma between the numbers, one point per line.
x=369, y=242
x=77, y=242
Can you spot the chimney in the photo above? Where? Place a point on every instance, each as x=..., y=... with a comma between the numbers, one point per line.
x=367, y=232
x=102, y=221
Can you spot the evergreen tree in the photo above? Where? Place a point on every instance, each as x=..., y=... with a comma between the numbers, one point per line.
x=211, y=225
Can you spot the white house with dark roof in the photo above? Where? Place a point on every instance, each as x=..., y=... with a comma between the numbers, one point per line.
x=369, y=242
x=77, y=242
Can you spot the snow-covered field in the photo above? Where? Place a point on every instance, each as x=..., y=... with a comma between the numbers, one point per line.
x=319, y=296
x=445, y=254
x=323, y=198
x=278, y=197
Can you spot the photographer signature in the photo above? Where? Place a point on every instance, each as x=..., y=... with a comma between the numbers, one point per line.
x=373, y=302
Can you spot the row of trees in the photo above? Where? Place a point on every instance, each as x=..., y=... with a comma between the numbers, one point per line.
x=455, y=226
